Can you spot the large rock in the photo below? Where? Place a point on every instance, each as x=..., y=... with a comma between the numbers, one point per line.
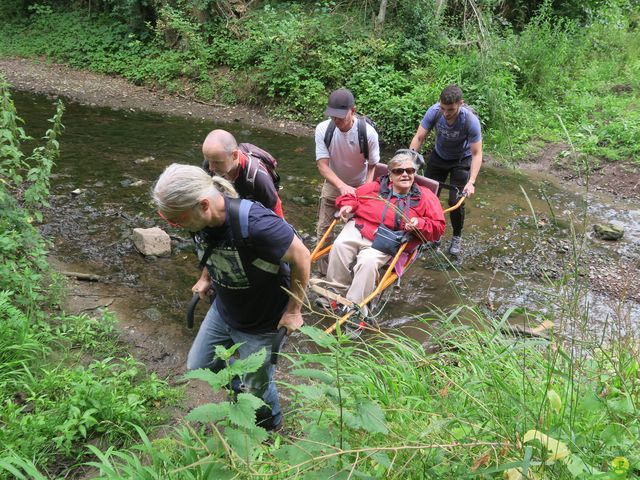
x=608, y=231
x=152, y=241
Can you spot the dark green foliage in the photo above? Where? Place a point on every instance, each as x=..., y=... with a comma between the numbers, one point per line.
x=564, y=63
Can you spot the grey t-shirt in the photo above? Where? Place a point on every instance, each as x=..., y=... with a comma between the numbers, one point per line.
x=345, y=158
x=452, y=141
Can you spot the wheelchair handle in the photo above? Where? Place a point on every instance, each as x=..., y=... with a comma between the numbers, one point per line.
x=191, y=309
x=275, y=348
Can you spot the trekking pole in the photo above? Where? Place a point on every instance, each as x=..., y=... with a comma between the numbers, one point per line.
x=275, y=348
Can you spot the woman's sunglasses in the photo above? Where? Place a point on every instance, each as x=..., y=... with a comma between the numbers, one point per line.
x=400, y=171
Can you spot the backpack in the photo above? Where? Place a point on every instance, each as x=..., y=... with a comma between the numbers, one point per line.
x=239, y=222
x=268, y=161
x=362, y=134
x=466, y=121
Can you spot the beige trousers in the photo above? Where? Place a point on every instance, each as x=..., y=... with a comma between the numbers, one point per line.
x=326, y=212
x=351, y=251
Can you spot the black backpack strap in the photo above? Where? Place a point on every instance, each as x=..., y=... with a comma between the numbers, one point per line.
x=362, y=138
x=251, y=169
x=328, y=135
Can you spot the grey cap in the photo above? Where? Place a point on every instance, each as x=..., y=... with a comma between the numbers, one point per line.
x=340, y=102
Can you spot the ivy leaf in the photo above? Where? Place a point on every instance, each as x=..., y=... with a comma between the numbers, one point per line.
x=554, y=400
x=211, y=412
x=320, y=337
x=243, y=412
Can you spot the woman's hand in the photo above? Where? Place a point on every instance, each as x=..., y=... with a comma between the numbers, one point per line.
x=412, y=224
x=345, y=213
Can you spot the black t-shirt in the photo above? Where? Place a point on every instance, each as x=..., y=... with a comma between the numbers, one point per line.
x=249, y=281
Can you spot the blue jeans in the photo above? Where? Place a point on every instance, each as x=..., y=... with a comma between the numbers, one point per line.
x=215, y=331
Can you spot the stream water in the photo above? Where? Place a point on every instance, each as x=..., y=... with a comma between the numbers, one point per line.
x=513, y=253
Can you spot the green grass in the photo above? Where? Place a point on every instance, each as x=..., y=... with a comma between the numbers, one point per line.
x=474, y=404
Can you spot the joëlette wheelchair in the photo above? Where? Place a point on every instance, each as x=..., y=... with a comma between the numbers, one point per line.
x=397, y=266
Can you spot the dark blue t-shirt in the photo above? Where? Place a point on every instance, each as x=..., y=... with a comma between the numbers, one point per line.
x=249, y=281
x=452, y=141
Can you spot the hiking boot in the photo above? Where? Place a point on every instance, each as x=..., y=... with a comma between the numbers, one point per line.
x=455, y=247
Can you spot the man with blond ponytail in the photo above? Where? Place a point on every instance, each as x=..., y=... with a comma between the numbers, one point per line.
x=251, y=275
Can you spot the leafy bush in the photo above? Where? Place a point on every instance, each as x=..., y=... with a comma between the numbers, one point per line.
x=50, y=403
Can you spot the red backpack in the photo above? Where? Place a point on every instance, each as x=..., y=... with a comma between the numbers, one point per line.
x=268, y=161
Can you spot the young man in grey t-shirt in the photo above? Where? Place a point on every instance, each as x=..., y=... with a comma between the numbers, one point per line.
x=457, y=153
x=342, y=163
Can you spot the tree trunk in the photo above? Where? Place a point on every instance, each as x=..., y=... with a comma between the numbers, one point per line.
x=382, y=13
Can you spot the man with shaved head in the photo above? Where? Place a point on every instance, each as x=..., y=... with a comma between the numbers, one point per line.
x=224, y=157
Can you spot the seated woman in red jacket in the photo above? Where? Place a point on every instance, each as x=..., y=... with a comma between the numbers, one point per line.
x=394, y=200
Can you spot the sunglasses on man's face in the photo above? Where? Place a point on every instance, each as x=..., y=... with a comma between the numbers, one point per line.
x=179, y=220
x=400, y=171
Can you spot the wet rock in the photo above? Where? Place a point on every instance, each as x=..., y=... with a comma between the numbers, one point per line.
x=152, y=241
x=608, y=231
x=77, y=191
x=153, y=314
x=137, y=183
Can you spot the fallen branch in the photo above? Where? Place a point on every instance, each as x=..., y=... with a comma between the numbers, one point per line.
x=87, y=277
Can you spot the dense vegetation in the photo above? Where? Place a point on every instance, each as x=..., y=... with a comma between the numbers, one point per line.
x=53, y=397
x=470, y=402
x=536, y=71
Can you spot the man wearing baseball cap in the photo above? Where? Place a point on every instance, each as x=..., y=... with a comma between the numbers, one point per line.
x=347, y=151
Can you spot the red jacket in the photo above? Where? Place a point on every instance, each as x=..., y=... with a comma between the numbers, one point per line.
x=370, y=199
